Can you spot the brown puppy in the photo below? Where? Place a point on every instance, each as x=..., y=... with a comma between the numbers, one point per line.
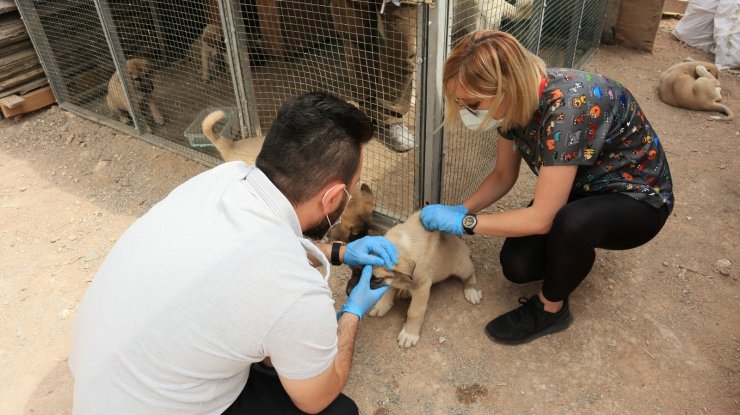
x=424, y=258
x=209, y=50
x=140, y=73
x=356, y=220
x=693, y=85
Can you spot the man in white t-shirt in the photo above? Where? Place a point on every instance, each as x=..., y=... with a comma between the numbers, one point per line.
x=217, y=280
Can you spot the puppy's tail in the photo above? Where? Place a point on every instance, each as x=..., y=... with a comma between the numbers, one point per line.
x=223, y=145
x=208, y=123
x=729, y=115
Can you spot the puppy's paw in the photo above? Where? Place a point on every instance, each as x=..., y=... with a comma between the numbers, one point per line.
x=473, y=295
x=406, y=339
x=380, y=309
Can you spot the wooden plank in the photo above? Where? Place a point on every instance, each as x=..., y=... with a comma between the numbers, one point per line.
x=29, y=86
x=7, y=6
x=673, y=7
x=11, y=30
x=12, y=101
x=22, y=78
x=16, y=47
x=638, y=23
x=32, y=101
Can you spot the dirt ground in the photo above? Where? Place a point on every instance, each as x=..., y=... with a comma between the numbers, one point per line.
x=657, y=328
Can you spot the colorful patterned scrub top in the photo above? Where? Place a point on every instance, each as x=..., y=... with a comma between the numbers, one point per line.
x=592, y=121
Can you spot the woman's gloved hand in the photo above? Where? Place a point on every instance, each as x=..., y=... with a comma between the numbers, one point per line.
x=362, y=298
x=371, y=250
x=445, y=218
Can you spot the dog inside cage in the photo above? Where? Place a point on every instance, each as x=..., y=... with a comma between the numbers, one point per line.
x=163, y=66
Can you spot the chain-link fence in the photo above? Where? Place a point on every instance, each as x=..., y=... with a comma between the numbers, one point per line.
x=155, y=68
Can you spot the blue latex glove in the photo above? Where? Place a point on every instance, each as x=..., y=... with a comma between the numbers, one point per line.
x=362, y=298
x=371, y=250
x=443, y=218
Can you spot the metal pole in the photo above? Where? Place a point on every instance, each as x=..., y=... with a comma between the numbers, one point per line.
x=40, y=41
x=241, y=74
x=434, y=35
x=575, y=45
x=119, y=60
x=542, y=25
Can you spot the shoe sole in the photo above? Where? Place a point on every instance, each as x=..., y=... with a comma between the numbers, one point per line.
x=550, y=330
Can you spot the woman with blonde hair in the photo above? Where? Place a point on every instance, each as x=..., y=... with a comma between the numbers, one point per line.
x=602, y=175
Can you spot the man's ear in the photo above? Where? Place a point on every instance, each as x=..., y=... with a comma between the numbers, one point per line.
x=332, y=196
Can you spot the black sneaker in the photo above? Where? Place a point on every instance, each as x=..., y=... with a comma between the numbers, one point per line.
x=528, y=322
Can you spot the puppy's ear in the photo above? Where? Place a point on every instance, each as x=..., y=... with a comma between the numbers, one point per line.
x=405, y=268
x=365, y=189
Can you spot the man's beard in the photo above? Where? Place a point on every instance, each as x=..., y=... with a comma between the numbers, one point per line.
x=318, y=230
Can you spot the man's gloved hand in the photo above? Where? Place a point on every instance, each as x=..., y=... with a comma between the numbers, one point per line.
x=371, y=250
x=445, y=218
x=362, y=298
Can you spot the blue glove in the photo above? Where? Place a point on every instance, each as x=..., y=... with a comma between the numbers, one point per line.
x=443, y=218
x=362, y=298
x=371, y=250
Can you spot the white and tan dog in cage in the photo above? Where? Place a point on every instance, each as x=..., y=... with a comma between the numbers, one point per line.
x=473, y=15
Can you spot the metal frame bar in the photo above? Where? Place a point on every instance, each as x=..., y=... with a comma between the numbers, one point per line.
x=542, y=25
x=577, y=32
x=434, y=26
x=119, y=61
x=40, y=42
x=241, y=74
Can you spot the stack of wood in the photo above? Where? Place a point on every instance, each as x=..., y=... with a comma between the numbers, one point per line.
x=23, y=83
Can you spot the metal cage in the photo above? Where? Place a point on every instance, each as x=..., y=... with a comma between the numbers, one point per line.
x=247, y=57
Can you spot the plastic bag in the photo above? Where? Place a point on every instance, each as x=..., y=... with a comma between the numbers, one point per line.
x=696, y=27
x=727, y=34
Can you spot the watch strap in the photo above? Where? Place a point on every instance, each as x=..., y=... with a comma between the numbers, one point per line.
x=334, y=259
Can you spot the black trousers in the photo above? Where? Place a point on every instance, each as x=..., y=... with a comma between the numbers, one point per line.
x=564, y=256
x=264, y=395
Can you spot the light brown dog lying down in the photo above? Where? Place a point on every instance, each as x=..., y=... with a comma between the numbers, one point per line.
x=693, y=85
x=424, y=258
x=357, y=219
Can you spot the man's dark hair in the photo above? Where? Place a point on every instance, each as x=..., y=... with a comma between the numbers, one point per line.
x=316, y=138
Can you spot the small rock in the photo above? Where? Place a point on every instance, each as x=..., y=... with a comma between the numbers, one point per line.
x=64, y=313
x=442, y=340
x=689, y=218
x=70, y=138
x=101, y=165
x=665, y=263
x=91, y=256
x=723, y=266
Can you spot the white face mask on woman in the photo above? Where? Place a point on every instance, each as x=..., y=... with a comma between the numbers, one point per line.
x=473, y=119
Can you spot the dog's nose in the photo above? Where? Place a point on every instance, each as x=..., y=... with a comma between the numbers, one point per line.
x=146, y=86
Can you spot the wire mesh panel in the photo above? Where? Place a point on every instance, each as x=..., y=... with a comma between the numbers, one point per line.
x=360, y=50
x=563, y=33
x=155, y=68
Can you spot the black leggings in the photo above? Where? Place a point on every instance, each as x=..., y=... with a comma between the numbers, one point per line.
x=563, y=257
x=264, y=394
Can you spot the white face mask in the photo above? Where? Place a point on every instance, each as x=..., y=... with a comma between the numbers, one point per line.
x=349, y=197
x=474, y=120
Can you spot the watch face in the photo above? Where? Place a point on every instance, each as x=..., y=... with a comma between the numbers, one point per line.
x=469, y=221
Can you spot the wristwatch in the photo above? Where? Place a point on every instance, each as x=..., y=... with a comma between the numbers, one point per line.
x=468, y=224
x=334, y=259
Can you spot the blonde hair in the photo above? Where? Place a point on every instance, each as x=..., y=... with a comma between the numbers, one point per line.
x=487, y=64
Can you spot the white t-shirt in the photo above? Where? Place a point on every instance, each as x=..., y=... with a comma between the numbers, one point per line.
x=211, y=279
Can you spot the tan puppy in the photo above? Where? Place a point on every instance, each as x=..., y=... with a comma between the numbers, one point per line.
x=693, y=85
x=424, y=258
x=209, y=50
x=140, y=73
x=356, y=220
x=245, y=150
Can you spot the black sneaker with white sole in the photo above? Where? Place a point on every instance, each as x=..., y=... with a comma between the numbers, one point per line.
x=528, y=322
